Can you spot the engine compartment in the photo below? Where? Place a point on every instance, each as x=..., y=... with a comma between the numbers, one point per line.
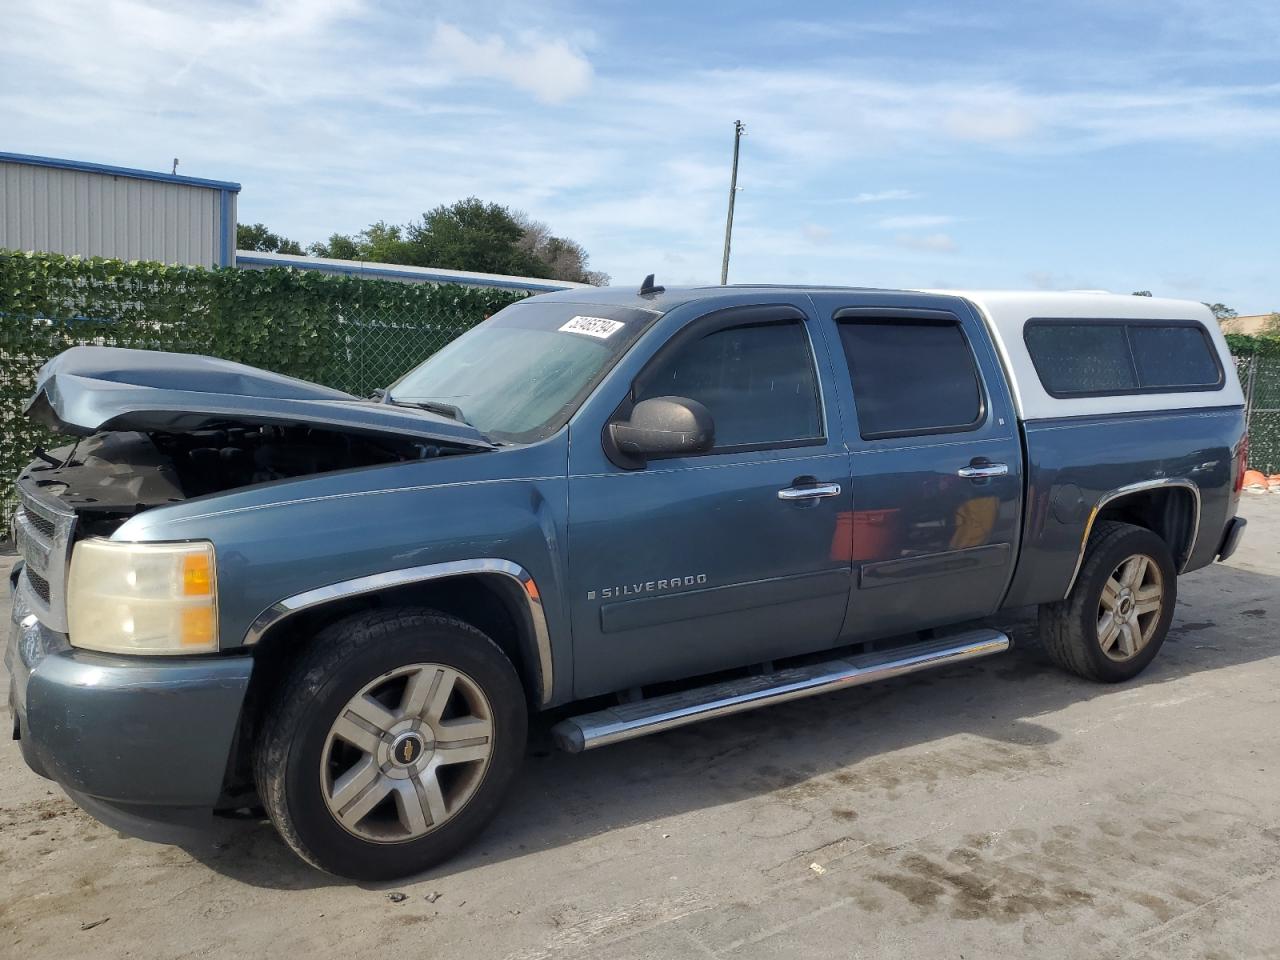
x=109, y=477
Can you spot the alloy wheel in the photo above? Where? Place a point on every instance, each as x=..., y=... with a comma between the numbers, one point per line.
x=1130, y=607
x=407, y=752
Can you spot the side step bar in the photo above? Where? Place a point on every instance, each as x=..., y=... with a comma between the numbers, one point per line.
x=629, y=720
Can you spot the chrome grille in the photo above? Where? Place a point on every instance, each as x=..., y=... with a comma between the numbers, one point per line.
x=44, y=527
x=39, y=584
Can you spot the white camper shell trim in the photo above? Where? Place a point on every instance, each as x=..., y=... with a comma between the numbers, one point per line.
x=1007, y=313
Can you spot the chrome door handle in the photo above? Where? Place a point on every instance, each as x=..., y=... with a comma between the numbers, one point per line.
x=976, y=471
x=818, y=491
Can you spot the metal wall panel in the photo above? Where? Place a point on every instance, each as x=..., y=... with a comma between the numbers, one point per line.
x=99, y=214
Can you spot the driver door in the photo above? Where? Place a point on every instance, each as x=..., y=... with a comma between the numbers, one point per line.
x=697, y=563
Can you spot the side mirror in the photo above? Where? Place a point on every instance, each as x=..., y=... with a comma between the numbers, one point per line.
x=664, y=427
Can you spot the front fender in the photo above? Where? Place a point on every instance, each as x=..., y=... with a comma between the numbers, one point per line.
x=281, y=542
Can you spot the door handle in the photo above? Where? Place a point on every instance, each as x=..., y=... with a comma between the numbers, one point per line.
x=817, y=491
x=977, y=471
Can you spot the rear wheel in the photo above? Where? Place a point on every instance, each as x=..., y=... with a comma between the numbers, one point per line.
x=391, y=744
x=1118, y=612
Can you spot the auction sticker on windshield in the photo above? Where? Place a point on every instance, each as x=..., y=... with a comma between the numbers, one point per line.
x=597, y=327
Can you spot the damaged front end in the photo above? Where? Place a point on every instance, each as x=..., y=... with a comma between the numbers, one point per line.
x=115, y=648
x=159, y=428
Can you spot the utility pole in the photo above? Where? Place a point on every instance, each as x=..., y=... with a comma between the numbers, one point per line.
x=739, y=128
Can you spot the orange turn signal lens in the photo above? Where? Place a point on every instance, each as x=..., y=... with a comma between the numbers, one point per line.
x=198, y=627
x=197, y=575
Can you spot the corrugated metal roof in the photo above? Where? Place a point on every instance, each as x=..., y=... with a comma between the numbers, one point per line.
x=88, y=167
x=257, y=260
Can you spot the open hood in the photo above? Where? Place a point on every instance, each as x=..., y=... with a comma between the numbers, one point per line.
x=89, y=389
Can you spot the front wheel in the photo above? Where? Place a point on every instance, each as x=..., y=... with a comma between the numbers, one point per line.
x=1114, y=620
x=391, y=744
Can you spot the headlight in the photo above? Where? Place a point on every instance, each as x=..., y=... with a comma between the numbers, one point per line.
x=154, y=598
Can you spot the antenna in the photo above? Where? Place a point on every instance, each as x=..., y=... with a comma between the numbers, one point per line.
x=649, y=288
x=174, y=171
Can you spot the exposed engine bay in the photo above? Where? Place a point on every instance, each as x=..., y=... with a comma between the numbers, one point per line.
x=108, y=477
x=160, y=428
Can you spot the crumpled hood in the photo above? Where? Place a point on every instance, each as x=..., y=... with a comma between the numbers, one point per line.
x=87, y=389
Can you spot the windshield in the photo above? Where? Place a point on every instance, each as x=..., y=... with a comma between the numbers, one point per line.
x=521, y=374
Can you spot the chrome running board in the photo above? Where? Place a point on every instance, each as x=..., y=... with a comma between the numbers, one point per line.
x=628, y=720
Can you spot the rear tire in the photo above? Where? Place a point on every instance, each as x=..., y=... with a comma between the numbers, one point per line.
x=1112, y=624
x=391, y=744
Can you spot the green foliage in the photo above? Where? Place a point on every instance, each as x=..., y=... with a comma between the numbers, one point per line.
x=338, y=246
x=256, y=236
x=348, y=332
x=1244, y=345
x=1220, y=310
x=468, y=235
x=473, y=235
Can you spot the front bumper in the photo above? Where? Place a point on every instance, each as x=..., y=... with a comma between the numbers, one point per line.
x=141, y=743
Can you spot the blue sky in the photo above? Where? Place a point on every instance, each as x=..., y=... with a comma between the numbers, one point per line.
x=1088, y=143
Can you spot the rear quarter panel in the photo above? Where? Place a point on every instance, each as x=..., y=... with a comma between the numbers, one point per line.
x=1074, y=463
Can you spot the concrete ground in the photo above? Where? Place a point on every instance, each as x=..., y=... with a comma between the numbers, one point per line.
x=997, y=809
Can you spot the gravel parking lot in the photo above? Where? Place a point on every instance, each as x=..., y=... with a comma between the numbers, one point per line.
x=994, y=809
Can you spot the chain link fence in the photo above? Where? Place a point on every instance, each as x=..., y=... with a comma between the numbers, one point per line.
x=353, y=333
x=1260, y=379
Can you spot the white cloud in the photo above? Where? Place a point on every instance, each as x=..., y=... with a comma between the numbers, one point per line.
x=548, y=68
x=335, y=113
x=915, y=221
x=929, y=242
x=883, y=196
x=815, y=233
x=995, y=118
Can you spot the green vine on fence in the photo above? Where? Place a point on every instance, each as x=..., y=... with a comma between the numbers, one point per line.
x=350, y=332
x=1246, y=345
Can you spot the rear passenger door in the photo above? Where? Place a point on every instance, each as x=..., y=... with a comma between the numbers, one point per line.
x=935, y=464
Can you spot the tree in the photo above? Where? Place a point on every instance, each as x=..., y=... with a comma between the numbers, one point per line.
x=471, y=235
x=1142, y=293
x=339, y=246
x=257, y=237
x=1221, y=311
x=566, y=259
x=468, y=235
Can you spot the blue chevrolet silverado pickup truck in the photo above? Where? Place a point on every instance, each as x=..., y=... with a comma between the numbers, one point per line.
x=639, y=508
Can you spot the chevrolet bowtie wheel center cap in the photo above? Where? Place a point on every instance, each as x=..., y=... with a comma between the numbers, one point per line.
x=407, y=749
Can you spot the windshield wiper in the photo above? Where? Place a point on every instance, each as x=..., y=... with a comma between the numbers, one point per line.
x=433, y=406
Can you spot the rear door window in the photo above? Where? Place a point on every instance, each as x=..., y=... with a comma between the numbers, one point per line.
x=1091, y=358
x=911, y=377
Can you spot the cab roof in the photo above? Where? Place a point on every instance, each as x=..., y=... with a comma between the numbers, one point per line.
x=1005, y=314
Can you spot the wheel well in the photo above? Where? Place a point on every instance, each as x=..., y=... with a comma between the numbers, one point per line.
x=492, y=603
x=1169, y=512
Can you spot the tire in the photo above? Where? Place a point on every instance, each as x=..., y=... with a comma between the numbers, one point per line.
x=1076, y=632
x=341, y=735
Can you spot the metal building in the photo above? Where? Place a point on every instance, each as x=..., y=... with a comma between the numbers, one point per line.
x=94, y=210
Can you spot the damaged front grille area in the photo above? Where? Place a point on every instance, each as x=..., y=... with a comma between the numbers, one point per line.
x=40, y=585
x=44, y=530
x=46, y=527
